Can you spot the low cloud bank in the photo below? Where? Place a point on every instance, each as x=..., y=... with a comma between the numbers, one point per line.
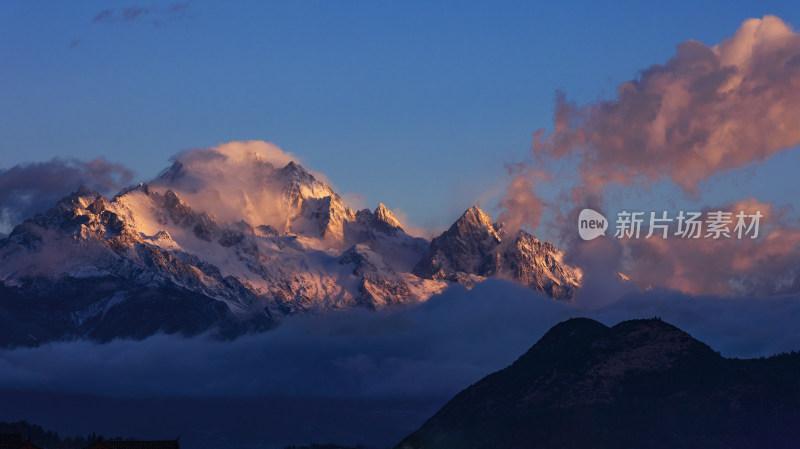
x=430, y=350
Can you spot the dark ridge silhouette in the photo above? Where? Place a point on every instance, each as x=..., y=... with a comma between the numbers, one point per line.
x=640, y=384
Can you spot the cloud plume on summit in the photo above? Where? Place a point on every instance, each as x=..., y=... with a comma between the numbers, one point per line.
x=234, y=181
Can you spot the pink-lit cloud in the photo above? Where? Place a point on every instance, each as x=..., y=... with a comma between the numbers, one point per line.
x=707, y=110
x=520, y=203
x=767, y=265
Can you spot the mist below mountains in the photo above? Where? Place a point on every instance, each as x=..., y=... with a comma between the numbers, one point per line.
x=419, y=356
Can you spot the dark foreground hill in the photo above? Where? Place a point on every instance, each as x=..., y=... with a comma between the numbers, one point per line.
x=640, y=384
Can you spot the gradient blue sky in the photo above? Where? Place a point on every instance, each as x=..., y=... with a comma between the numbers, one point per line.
x=415, y=104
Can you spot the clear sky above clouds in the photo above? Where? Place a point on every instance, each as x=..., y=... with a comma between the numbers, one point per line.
x=415, y=104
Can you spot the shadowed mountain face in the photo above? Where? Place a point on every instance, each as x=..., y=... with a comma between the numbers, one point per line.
x=639, y=384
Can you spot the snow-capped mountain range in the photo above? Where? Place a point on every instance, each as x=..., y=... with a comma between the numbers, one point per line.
x=231, y=239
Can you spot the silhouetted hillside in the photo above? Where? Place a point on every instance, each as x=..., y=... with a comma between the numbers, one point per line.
x=640, y=384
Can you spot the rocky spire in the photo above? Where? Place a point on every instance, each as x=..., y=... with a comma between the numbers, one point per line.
x=474, y=224
x=384, y=215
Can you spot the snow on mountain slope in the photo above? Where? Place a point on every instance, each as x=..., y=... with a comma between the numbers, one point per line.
x=244, y=227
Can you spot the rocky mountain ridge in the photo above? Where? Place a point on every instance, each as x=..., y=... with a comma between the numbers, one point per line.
x=241, y=241
x=475, y=248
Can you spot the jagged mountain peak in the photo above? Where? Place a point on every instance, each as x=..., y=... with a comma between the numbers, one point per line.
x=68, y=212
x=83, y=190
x=384, y=214
x=294, y=170
x=81, y=197
x=475, y=247
x=474, y=217
x=299, y=184
x=367, y=223
x=294, y=173
x=173, y=173
x=318, y=210
x=475, y=224
x=171, y=199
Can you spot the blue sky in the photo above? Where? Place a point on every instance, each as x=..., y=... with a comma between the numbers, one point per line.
x=415, y=104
